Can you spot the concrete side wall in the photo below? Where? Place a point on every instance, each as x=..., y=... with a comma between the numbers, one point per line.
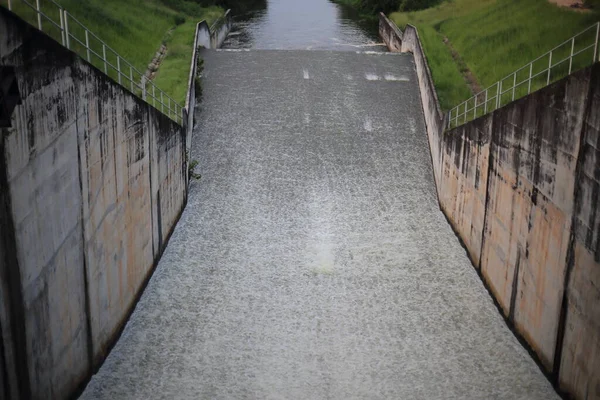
x=96, y=180
x=463, y=191
x=434, y=118
x=521, y=188
x=201, y=39
x=580, y=361
x=390, y=34
x=535, y=147
x=206, y=39
x=220, y=32
x=203, y=35
x=42, y=171
x=538, y=236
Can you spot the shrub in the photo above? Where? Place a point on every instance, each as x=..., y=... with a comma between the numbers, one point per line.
x=413, y=5
x=179, y=19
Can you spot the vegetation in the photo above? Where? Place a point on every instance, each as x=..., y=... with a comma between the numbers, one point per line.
x=174, y=71
x=387, y=6
x=492, y=37
x=136, y=29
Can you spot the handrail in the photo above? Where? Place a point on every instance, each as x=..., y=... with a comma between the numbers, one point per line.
x=75, y=36
x=493, y=97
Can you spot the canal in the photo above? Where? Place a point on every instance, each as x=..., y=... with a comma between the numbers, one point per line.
x=312, y=260
x=303, y=25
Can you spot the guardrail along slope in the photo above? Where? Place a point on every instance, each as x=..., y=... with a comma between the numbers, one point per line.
x=520, y=186
x=93, y=180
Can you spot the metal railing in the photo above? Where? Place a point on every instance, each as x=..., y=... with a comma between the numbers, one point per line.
x=575, y=53
x=51, y=18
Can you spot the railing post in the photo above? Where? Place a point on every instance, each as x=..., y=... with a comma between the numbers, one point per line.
x=68, y=39
x=466, y=108
x=486, y=101
x=62, y=25
x=498, y=94
x=514, y=85
x=153, y=97
x=162, y=103
x=530, y=76
x=87, y=45
x=143, y=87
x=596, y=45
x=571, y=57
x=39, y=16
x=9, y=6
x=549, y=68
x=119, y=67
x=131, y=78
x=475, y=108
x=104, y=58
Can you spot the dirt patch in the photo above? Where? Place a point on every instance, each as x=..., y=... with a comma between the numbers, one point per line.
x=474, y=86
x=576, y=5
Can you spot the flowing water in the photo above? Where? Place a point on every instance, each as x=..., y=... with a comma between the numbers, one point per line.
x=304, y=25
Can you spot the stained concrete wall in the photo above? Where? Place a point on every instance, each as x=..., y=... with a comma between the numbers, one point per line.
x=203, y=38
x=538, y=235
x=203, y=35
x=220, y=30
x=408, y=41
x=95, y=180
x=389, y=32
x=521, y=187
x=580, y=357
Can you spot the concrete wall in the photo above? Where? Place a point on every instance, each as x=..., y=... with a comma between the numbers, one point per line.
x=580, y=357
x=203, y=35
x=206, y=39
x=220, y=30
x=409, y=41
x=201, y=40
x=538, y=233
x=95, y=180
x=389, y=32
x=521, y=187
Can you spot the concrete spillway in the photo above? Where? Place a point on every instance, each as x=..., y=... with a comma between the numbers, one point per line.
x=312, y=260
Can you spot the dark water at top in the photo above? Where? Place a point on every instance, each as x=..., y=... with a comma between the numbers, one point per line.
x=304, y=24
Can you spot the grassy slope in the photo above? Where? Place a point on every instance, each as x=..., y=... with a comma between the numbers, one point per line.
x=180, y=45
x=493, y=37
x=136, y=29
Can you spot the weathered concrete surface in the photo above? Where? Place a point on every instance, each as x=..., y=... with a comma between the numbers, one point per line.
x=42, y=171
x=540, y=180
x=530, y=203
x=522, y=193
x=580, y=363
x=201, y=40
x=220, y=30
x=463, y=191
x=93, y=180
x=390, y=34
x=312, y=260
x=434, y=118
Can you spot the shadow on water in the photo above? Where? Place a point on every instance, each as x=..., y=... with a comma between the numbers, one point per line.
x=245, y=8
x=306, y=24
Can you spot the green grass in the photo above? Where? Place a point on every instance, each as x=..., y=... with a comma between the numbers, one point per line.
x=135, y=29
x=180, y=45
x=493, y=38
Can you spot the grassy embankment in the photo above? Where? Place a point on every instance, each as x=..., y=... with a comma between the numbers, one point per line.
x=136, y=29
x=492, y=38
